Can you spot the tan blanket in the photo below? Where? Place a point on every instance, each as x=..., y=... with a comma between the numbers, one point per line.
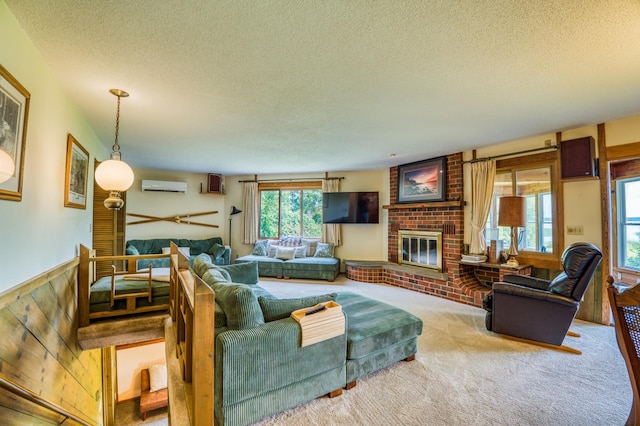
x=145, y=276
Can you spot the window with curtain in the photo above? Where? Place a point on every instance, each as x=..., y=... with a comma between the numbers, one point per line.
x=534, y=178
x=290, y=209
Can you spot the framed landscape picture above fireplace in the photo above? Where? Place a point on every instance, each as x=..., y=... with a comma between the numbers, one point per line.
x=423, y=181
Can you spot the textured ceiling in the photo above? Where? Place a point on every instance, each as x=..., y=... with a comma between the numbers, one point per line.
x=270, y=86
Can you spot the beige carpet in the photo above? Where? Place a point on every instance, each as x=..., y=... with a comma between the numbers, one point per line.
x=466, y=375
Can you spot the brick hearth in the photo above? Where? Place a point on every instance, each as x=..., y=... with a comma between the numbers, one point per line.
x=457, y=282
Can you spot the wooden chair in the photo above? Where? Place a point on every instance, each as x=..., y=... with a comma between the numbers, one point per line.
x=625, y=307
x=150, y=400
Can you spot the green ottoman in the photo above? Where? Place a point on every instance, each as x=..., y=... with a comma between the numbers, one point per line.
x=378, y=335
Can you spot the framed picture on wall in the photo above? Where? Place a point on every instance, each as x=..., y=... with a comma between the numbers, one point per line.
x=423, y=181
x=76, y=175
x=14, y=112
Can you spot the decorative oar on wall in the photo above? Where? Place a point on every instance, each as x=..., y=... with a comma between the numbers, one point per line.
x=181, y=219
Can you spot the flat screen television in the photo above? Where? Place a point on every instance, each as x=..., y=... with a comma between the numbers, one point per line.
x=350, y=207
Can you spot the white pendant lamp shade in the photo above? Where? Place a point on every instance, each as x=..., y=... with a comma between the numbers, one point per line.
x=114, y=175
x=7, y=167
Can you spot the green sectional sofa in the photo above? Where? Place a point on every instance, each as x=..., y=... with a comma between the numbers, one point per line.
x=260, y=367
x=294, y=257
x=220, y=255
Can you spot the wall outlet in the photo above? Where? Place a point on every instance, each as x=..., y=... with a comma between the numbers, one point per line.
x=547, y=142
x=575, y=230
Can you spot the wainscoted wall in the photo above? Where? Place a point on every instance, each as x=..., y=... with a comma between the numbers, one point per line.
x=39, y=351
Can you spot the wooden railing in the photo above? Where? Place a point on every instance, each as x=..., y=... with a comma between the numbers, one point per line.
x=86, y=276
x=189, y=340
x=24, y=393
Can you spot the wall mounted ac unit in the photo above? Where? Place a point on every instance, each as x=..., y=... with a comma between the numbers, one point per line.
x=164, y=186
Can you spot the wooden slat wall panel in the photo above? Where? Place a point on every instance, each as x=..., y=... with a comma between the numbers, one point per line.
x=108, y=229
x=40, y=352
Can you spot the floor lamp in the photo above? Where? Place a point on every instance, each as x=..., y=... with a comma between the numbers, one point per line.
x=234, y=211
x=512, y=213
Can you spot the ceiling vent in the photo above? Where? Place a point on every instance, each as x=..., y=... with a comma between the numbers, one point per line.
x=164, y=186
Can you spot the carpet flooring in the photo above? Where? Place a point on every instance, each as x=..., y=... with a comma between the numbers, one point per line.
x=466, y=375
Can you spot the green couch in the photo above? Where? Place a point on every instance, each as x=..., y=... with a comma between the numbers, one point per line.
x=260, y=368
x=294, y=257
x=219, y=254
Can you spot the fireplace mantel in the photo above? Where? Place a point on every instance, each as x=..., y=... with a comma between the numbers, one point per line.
x=432, y=204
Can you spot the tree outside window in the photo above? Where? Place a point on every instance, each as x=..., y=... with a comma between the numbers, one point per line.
x=290, y=212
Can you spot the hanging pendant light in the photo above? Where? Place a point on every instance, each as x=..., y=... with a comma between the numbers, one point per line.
x=114, y=175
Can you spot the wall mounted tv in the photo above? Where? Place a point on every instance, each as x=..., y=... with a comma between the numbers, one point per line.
x=350, y=207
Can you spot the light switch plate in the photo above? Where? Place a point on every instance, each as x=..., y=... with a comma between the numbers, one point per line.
x=575, y=230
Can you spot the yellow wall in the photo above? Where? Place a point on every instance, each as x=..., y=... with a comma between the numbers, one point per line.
x=39, y=233
x=360, y=241
x=164, y=204
x=581, y=198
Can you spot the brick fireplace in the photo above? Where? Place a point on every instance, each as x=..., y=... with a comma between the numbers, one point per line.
x=455, y=281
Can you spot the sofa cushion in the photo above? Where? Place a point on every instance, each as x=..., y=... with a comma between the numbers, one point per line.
x=239, y=304
x=285, y=253
x=215, y=276
x=275, y=309
x=260, y=248
x=199, y=246
x=300, y=251
x=311, y=246
x=132, y=251
x=201, y=264
x=216, y=251
x=324, y=250
x=244, y=273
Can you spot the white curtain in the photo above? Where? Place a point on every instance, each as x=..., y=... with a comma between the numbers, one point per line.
x=251, y=213
x=331, y=232
x=483, y=174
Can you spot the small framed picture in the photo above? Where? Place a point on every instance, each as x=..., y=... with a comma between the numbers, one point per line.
x=423, y=181
x=76, y=175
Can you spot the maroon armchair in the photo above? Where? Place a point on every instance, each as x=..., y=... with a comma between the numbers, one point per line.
x=541, y=311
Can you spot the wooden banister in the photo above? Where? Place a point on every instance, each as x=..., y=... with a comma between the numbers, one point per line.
x=191, y=335
x=24, y=393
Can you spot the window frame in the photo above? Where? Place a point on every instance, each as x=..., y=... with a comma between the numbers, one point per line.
x=546, y=159
x=285, y=186
x=626, y=169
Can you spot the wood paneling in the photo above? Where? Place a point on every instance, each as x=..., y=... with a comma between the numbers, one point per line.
x=40, y=352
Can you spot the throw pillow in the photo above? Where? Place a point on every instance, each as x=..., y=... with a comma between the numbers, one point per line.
x=311, y=247
x=214, y=276
x=132, y=251
x=324, y=250
x=285, y=253
x=243, y=273
x=290, y=241
x=273, y=249
x=300, y=251
x=275, y=309
x=240, y=305
x=217, y=251
x=202, y=263
x=186, y=251
x=260, y=248
x=157, y=377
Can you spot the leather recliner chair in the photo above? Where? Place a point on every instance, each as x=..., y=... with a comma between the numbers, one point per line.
x=538, y=310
